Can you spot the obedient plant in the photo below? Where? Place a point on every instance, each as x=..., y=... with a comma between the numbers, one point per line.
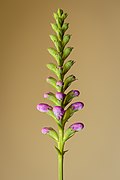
x=62, y=110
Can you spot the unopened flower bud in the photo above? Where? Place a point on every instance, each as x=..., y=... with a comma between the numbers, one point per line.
x=60, y=96
x=45, y=130
x=77, y=126
x=59, y=83
x=76, y=92
x=47, y=94
x=77, y=106
x=43, y=107
x=58, y=112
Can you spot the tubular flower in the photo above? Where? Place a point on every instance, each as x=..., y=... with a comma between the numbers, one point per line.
x=43, y=107
x=58, y=112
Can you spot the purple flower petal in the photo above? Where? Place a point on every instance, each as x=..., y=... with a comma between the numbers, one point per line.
x=60, y=95
x=58, y=112
x=59, y=83
x=76, y=92
x=77, y=126
x=45, y=130
x=43, y=107
x=47, y=94
x=77, y=105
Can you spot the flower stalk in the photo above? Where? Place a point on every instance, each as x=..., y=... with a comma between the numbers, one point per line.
x=61, y=99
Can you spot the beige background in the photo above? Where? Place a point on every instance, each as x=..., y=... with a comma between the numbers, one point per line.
x=26, y=154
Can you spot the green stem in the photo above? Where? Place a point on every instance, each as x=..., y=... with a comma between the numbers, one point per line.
x=60, y=155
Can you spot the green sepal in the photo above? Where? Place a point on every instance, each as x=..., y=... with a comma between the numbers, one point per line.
x=64, y=15
x=68, y=113
x=59, y=152
x=66, y=52
x=58, y=31
x=60, y=12
x=68, y=81
x=54, y=69
x=55, y=54
x=68, y=98
x=65, y=27
x=52, y=81
x=59, y=20
x=56, y=42
x=53, y=134
x=66, y=39
x=52, y=98
x=67, y=66
x=68, y=134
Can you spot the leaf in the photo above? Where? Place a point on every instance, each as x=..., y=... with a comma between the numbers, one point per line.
x=68, y=81
x=58, y=151
x=65, y=151
x=67, y=66
x=66, y=39
x=66, y=52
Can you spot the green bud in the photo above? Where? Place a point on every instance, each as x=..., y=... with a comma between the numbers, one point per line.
x=53, y=68
x=68, y=81
x=64, y=15
x=67, y=52
x=58, y=31
x=59, y=21
x=60, y=12
x=66, y=39
x=65, y=27
x=56, y=42
x=56, y=55
x=67, y=66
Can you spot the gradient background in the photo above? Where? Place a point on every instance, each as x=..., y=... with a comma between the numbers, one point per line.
x=94, y=153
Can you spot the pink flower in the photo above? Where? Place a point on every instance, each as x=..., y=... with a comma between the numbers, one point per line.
x=77, y=126
x=76, y=92
x=59, y=83
x=77, y=105
x=43, y=107
x=45, y=130
x=58, y=112
x=60, y=95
